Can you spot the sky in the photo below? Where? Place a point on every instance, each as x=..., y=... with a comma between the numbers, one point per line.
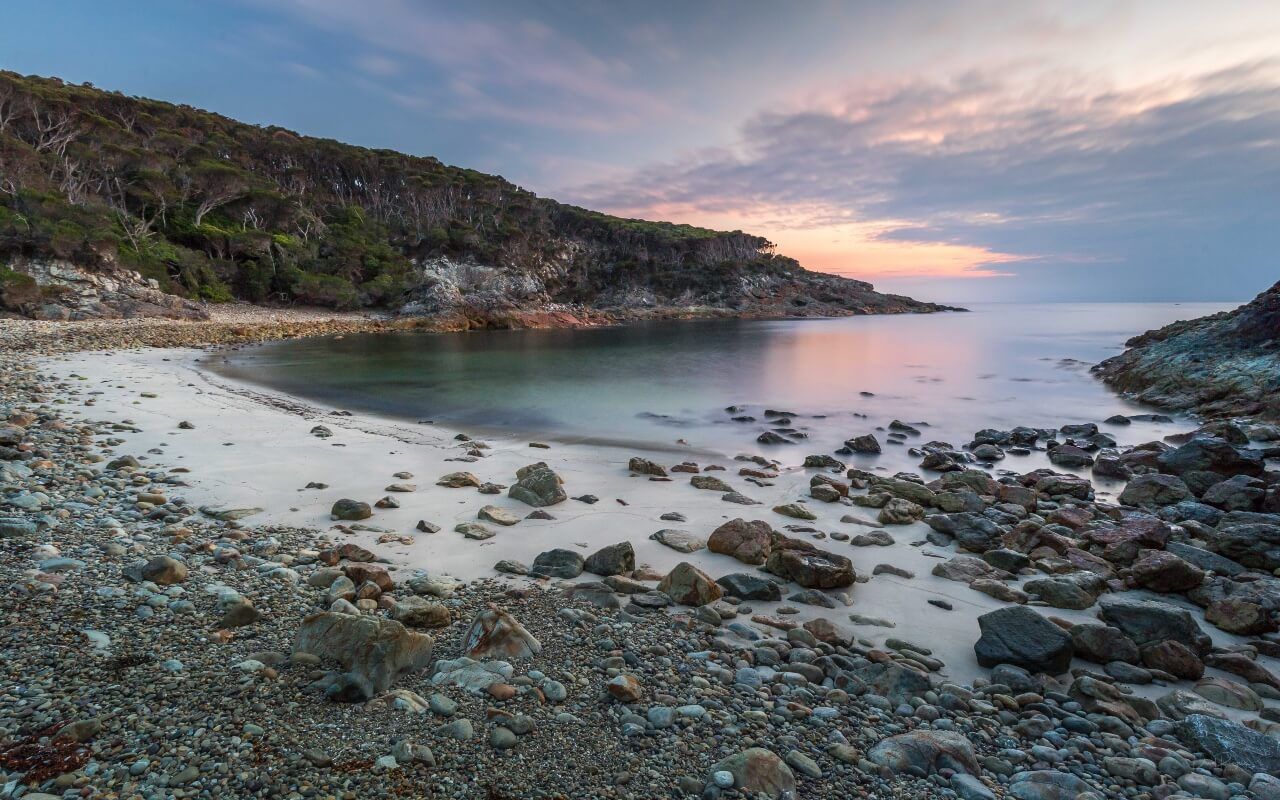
x=1005, y=150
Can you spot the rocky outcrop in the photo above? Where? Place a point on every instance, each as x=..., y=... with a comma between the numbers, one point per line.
x=1225, y=364
x=59, y=290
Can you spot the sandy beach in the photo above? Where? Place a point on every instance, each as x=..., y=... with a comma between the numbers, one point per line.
x=249, y=448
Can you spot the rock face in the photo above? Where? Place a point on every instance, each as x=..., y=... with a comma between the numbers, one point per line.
x=60, y=290
x=537, y=485
x=1019, y=636
x=374, y=651
x=496, y=634
x=1220, y=365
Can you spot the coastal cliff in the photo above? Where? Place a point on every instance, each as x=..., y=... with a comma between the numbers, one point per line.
x=1225, y=364
x=156, y=197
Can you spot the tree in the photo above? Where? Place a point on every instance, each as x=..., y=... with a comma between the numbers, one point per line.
x=215, y=185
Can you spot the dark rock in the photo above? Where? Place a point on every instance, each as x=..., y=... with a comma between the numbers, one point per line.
x=612, y=560
x=1150, y=622
x=749, y=587
x=1019, y=636
x=1230, y=742
x=557, y=563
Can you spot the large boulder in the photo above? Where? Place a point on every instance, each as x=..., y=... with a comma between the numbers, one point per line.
x=1019, y=636
x=678, y=540
x=557, y=563
x=537, y=485
x=749, y=542
x=350, y=510
x=496, y=634
x=1047, y=784
x=972, y=532
x=1103, y=644
x=1230, y=742
x=612, y=560
x=746, y=586
x=810, y=567
x=756, y=772
x=375, y=651
x=1149, y=622
x=1209, y=454
x=1076, y=591
x=1253, y=543
x=690, y=586
x=889, y=679
x=1155, y=490
x=926, y=752
x=418, y=612
x=1162, y=571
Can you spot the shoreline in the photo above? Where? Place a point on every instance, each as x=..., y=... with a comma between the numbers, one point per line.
x=127, y=593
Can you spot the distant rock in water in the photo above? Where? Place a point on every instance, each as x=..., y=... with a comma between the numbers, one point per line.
x=1224, y=364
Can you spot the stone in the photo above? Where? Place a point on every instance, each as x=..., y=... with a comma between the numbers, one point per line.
x=866, y=443
x=690, y=586
x=757, y=772
x=1209, y=454
x=350, y=510
x=749, y=542
x=496, y=634
x=417, y=612
x=746, y=586
x=925, y=752
x=643, y=466
x=1103, y=644
x=1049, y=785
x=811, y=568
x=1239, y=616
x=474, y=530
x=1229, y=693
x=1230, y=742
x=1154, y=490
x=1175, y=658
x=1164, y=572
x=795, y=510
x=557, y=563
x=612, y=560
x=898, y=511
x=1149, y=622
x=967, y=569
x=972, y=532
x=891, y=680
x=499, y=516
x=458, y=480
x=678, y=540
x=537, y=485
x=164, y=570
x=625, y=688
x=1064, y=591
x=1018, y=635
x=374, y=651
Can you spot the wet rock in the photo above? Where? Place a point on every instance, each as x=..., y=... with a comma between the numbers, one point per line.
x=749, y=587
x=1103, y=643
x=459, y=480
x=866, y=443
x=643, y=466
x=1071, y=592
x=1154, y=490
x=710, y=483
x=1149, y=622
x=795, y=511
x=1230, y=742
x=898, y=511
x=811, y=568
x=1174, y=658
x=972, y=532
x=1019, y=636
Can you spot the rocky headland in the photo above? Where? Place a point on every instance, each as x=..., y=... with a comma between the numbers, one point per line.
x=1218, y=366
x=155, y=646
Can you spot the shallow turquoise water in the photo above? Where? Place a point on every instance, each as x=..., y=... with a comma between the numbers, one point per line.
x=997, y=366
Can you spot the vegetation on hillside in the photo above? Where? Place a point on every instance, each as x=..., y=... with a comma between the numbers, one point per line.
x=215, y=209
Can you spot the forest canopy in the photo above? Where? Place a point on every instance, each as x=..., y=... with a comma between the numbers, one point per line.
x=218, y=209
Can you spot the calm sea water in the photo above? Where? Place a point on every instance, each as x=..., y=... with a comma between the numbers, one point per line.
x=997, y=366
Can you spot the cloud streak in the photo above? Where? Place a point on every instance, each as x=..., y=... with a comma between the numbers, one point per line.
x=1048, y=172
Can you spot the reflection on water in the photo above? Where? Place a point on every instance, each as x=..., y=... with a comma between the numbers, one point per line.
x=998, y=366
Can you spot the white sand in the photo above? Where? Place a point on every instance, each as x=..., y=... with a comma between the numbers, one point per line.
x=246, y=450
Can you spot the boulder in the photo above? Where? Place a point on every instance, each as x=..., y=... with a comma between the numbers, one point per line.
x=1162, y=571
x=795, y=511
x=1155, y=490
x=495, y=634
x=678, y=540
x=1049, y=785
x=643, y=466
x=900, y=512
x=972, y=532
x=891, y=680
x=1253, y=544
x=810, y=567
x=557, y=563
x=1149, y=622
x=690, y=586
x=350, y=510
x=1019, y=636
x=749, y=587
x=418, y=612
x=499, y=516
x=164, y=570
x=375, y=651
x=749, y=542
x=537, y=485
x=1230, y=742
x=612, y=560
x=866, y=443
x=1174, y=658
x=1103, y=644
x=926, y=752
x=458, y=480
x=1209, y=454
x=710, y=483
x=1062, y=591
x=757, y=771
